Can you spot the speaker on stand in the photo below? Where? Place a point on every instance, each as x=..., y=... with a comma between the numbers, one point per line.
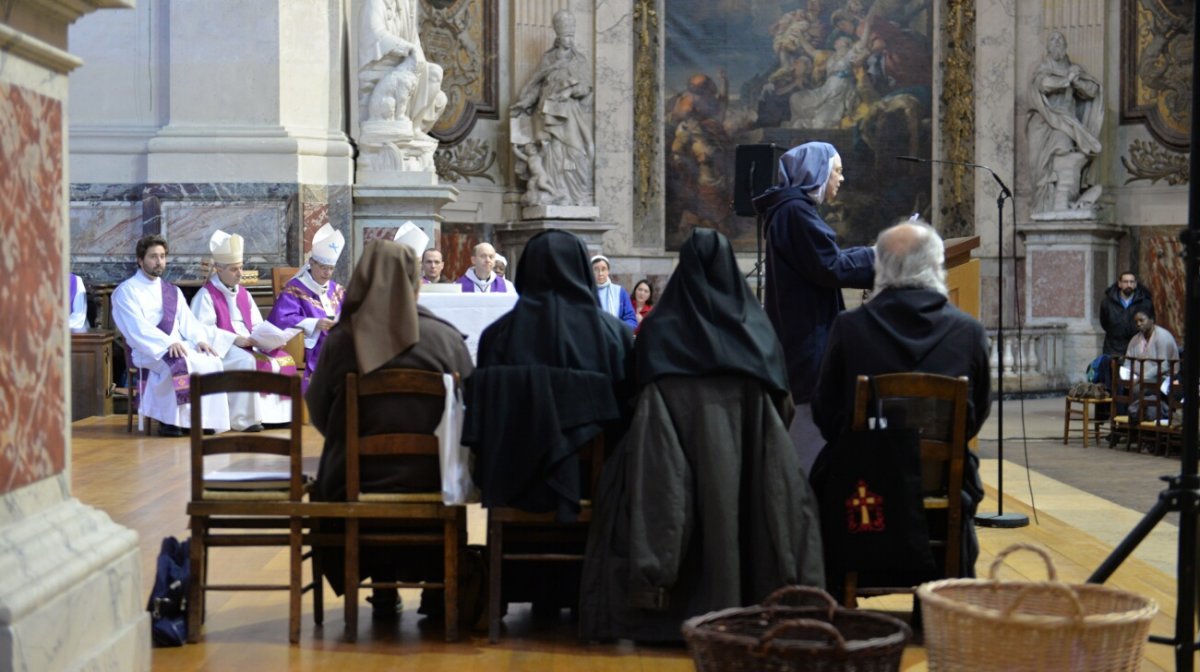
x=756, y=169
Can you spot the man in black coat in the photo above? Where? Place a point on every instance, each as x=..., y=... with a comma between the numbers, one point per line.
x=1120, y=302
x=907, y=326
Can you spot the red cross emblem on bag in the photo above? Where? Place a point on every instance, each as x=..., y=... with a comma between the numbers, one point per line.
x=864, y=511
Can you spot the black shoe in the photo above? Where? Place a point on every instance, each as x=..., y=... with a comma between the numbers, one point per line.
x=253, y=429
x=276, y=425
x=385, y=604
x=209, y=432
x=169, y=430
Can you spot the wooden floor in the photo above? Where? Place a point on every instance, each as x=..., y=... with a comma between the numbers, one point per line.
x=142, y=483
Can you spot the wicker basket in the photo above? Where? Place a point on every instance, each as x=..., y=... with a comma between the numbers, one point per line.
x=986, y=624
x=814, y=636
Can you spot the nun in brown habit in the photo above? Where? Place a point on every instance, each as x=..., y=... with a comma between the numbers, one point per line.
x=382, y=327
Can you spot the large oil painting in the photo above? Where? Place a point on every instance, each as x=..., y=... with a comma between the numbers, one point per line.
x=1156, y=78
x=855, y=73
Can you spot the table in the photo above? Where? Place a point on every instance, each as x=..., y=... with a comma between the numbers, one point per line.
x=470, y=313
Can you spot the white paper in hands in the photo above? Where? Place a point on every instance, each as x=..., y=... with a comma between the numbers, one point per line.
x=267, y=336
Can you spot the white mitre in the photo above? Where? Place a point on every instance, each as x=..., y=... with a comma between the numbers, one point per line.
x=226, y=248
x=327, y=245
x=411, y=235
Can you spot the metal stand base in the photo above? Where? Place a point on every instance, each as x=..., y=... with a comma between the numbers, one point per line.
x=1004, y=520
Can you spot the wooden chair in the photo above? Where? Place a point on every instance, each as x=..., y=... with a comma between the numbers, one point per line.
x=239, y=514
x=937, y=405
x=132, y=392
x=295, y=347
x=1123, y=394
x=412, y=508
x=510, y=525
x=1154, y=426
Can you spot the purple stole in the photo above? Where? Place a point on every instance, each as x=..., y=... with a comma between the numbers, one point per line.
x=299, y=300
x=178, y=365
x=287, y=365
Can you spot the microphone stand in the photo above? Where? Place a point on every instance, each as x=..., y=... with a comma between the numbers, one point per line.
x=1000, y=518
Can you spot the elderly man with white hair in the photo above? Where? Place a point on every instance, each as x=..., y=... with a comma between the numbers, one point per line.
x=907, y=326
x=226, y=308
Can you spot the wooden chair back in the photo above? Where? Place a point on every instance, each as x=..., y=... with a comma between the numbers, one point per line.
x=280, y=275
x=937, y=406
x=423, y=508
x=249, y=516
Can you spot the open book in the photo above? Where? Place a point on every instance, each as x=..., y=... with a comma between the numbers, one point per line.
x=270, y=337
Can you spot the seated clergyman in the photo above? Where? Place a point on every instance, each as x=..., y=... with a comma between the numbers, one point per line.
x=167, y=343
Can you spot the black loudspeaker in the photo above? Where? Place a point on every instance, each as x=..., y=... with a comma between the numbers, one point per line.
x=756, y=169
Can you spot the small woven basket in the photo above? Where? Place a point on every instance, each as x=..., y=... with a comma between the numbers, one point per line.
x=987, y=624
x=813, y=637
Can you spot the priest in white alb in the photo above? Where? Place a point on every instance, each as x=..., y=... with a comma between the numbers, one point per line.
x=167, y=344
x=226, y=308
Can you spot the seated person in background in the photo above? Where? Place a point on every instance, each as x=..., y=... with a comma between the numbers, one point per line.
x=382, y=327
x=614, y=300
x=501, y=266
x=431, y=267
x=908, y=325
x=568, y=363
x=312, y=300
x=77, y=304
x=643, y=300
x=481, y=277
x=1152, y=342
x=704, y=505
x=225, y=307
x=167, y=343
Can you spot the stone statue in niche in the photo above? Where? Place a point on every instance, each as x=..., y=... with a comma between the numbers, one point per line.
x=1066, y=112
x=552, y=124
x=399, y=91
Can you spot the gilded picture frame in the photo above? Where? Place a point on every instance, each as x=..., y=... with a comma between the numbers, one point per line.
x=460, y=36
x=1156, y=68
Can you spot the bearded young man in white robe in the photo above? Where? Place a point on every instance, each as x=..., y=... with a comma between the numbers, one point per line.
x=138, y=310
x=235, y=346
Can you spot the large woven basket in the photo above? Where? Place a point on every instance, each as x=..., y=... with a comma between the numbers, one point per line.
x=987, y=624
x=813, y=636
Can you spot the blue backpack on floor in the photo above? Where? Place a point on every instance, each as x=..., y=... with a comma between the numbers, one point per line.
x=168, y=597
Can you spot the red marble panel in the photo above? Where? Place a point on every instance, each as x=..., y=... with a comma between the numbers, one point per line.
x=1056, y=283
x=1163, y=272
x=32, y=233
x=316, y=215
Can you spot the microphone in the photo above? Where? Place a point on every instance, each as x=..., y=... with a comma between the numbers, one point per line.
x=1003, y=187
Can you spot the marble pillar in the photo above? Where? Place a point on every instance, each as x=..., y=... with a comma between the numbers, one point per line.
x=70, y=578
x=512, y=236
x=1069, y=262
x=379, y=210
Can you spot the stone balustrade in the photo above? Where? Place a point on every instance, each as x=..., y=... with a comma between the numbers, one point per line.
x=1032, y=361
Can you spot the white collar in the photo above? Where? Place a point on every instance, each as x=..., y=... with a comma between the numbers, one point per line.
x=143, y=277
x=483, y=285
x=306, y=279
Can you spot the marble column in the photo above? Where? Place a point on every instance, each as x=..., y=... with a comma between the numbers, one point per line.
x=70, y=578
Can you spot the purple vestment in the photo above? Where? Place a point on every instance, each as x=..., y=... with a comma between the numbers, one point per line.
x=498, y=285
x=297, y=302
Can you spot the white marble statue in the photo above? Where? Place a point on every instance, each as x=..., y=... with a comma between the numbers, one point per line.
x=552, y=124
x=399, y=92
x=1066, y=111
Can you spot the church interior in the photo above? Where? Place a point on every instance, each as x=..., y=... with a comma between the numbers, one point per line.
x=628, y=123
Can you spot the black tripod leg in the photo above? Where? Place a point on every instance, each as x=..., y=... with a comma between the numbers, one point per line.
x=1131, y=540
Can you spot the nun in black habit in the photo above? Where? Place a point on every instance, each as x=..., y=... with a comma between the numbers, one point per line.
x=704, y=506
x=551, y=375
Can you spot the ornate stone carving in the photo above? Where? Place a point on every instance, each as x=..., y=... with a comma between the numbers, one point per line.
x=399, y=91
x=461, y=35
x=1156, y=68
x=551, y=125
x=1151, y=161
x=1066, y=112
x=471, y=158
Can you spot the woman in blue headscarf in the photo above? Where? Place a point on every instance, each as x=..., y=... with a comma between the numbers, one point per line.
x=806, y=271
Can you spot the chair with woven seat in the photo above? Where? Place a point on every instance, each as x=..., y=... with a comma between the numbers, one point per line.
x=937, y=406
x=509, y=526
x=243, y=512
x=430, y=522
